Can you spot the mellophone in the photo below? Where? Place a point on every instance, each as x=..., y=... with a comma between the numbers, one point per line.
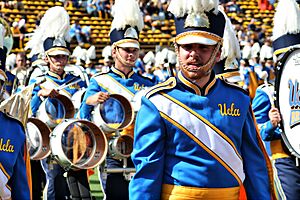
x=287, y=99
x=81, y=144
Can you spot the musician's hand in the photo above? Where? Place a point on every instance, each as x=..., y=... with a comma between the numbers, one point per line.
x=274, y=116
x=99, y=97
x=48, y=93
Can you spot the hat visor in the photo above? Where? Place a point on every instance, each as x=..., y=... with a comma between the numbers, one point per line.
x=58, y=52
x=194, y=39
x=129, y=45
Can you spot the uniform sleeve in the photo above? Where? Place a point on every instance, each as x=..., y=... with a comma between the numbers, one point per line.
x=85, y=110
x=261, y=106
x=20, y=188
x=36, y=100
x=148, y=153
x=256, y=163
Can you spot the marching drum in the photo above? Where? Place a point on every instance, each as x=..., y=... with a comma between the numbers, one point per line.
x=116, y=113
x=78, y=144
x=37, y=136
x=77, y=98
x=53, y=110
x=287, y=95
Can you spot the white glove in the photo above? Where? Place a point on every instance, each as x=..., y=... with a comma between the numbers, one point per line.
x=2, y=35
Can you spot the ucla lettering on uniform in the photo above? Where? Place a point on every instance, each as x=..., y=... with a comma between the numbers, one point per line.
x=138, y=87
x=229, y=111
x=6, y=146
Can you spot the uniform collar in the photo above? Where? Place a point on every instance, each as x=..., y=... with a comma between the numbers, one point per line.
x=120, y=73
x=56, y=75
x=195, y=88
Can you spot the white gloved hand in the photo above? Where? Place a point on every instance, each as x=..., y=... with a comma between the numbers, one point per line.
x=2, y=35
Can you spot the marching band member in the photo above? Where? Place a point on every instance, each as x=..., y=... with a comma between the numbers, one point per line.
x=13, y=178
x=287, y=176
x=195, y=136
x=120, y=79
x=53, y=35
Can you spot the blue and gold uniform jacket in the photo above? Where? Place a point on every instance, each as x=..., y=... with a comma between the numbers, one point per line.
x=271, y=135
x=53, y=81
x=13, y=179
x=113, y=82
x=10, y=82
x=199, y=138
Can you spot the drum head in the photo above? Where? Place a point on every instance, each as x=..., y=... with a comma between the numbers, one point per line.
x=112, y=112
x=78, y=144
x=55, y=110
x=287, y=99
x=115, y=113
x=37, y=136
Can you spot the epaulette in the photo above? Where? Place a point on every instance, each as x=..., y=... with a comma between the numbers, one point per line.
x=99, y=73
x=233, y=85
x=166, y=85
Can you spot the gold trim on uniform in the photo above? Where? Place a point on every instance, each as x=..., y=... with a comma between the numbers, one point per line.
x=203, y=34
x=117, y=71
x=277, y=150
x=58, y=49
x=3, y=74
x=56, y=75
x=189, y=84
x=175, y=192
x=126, y=41
x=208, y=150
x=228, y=74
x=168, y=84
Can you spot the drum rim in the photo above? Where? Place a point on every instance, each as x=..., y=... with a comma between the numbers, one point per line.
x=41, y=153
x=59, y=154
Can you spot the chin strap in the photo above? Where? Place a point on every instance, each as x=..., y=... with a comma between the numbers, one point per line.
x=122, y=60
x=206, y=67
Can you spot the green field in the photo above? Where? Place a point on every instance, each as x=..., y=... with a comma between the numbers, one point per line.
x=95, y=186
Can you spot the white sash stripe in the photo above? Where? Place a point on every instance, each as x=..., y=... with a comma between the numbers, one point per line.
x=114, y=86
x=203, y=132
x=4, y=191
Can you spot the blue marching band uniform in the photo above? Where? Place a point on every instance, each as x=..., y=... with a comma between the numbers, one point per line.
x=114, y=82
x=13, y=175
x=206, y=133
x=178, y=121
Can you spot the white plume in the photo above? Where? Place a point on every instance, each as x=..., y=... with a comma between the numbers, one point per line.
x=55, y=23
x=231, y=47
x=127, y=12
x=106, y=52
x=181, y=7
x=286, y=18
x=91, y=52
x=178, y=7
